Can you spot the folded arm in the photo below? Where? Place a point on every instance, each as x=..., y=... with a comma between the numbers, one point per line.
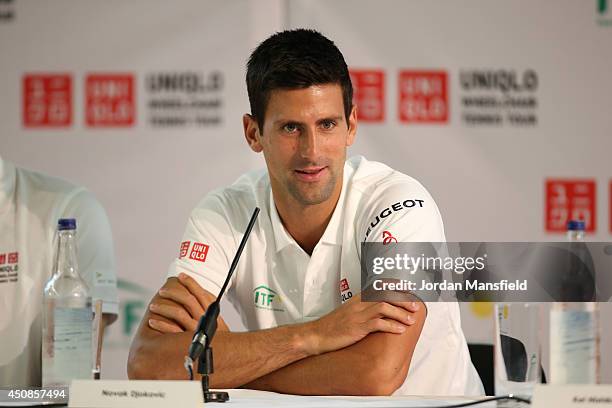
x=364, y=347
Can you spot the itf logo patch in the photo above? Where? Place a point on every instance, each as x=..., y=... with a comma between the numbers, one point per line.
x=198, y=251
x=570, y=200
x=369, y=94
x=47, y=100
x=266, y=298
x=423, y=96
x=109, y=100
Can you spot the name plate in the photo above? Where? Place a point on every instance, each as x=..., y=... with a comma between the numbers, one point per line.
x=572, y=396
x=135, y=394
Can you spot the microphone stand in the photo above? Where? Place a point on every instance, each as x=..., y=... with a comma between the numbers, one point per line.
x=207, y=327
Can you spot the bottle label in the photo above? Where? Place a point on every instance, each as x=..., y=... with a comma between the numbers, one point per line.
x=573, y=347
x=72, y=343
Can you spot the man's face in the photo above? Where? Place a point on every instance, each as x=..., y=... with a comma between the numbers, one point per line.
x=304, y=141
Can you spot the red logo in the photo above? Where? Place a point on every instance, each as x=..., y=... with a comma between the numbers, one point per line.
x=344, y=285
x=388, y=238
x=13, y=257
x=199, y=252
x=570, y=200
x=109, y=100
x=369, y=94
x=423, y=96
x=47, y=100
x=2, y=259
x=184, y=248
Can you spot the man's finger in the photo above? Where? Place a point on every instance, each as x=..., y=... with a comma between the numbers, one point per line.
x=196, y=290
x=164, y=327
x=399, y=314
x=385, y=325
x=182, y=296
x=176, y=314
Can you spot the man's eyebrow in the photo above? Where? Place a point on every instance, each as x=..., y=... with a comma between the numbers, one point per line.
x=338, y=118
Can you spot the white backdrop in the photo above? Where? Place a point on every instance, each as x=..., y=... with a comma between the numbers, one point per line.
x=482, y=101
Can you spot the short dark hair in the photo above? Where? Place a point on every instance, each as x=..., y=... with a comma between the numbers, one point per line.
x=295, y=59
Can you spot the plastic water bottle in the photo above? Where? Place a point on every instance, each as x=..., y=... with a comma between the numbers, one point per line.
x=574, y=324
x=67, y=316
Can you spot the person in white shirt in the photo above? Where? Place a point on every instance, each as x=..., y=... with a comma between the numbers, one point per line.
x=297, y=286
x=30, y=206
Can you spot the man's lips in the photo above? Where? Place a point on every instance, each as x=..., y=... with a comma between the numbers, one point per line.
x=310, y=173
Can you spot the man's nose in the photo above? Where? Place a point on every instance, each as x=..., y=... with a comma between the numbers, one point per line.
x=309, y=144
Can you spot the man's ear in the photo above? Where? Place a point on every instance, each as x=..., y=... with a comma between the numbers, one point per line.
x=352, y=126
x=251, y=133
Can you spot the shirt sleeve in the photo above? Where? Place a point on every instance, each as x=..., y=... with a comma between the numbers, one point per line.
x=402, y=212
x=204, y=251
x=95, y=250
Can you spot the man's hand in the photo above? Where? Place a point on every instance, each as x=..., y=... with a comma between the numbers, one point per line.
x=181, y=304
x=354, y=320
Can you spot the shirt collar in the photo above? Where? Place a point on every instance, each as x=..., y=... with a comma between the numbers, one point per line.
x=333, y=231
x=7, y=184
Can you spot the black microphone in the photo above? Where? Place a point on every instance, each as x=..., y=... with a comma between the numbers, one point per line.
x=207, y=326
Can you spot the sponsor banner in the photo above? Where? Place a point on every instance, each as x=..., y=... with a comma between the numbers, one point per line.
x=369, y=94
x=177, y=99
x=423, y=97
x=47, y=100
x=488, y=271
x=570, y=200
x=110, y=100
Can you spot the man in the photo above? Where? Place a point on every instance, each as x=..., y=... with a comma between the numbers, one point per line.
x=30, y=206
x=297, y=284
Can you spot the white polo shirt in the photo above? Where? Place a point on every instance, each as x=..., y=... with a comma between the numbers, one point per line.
x=278, y=283
x=30, y=205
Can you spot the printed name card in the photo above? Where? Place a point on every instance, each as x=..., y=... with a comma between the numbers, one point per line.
x=572, y=396
x=135, y=394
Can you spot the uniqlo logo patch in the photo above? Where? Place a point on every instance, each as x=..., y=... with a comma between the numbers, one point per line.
x=199, y=252
x=2, y=259
x=369, y=94
x=344, y=285
x=423, y=97
x=184, y=248
x=109, y=100
x=13, y=258
x=47, y=100
x=570, y=200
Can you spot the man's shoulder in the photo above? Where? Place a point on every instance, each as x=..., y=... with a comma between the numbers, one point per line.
x=49, y=194
x=239, y=198
x=374, y=181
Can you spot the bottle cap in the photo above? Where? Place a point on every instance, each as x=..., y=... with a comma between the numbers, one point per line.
x=575, y=225
x=66, y=224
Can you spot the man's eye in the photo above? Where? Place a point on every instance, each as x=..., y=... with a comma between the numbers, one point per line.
x=328, y=124
x=290, y=128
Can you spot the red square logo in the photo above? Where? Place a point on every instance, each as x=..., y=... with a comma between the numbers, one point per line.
x=423, y=96
x=13, y=257
x=2, y=259
x=369, y=94
x=184, y=248
x=199, y=252
x=570, y=200
x=344, y=285
x=109, y=100
x=47, y=100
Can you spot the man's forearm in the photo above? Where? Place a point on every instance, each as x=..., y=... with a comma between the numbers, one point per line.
x=239, y=357
x=376, y=365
